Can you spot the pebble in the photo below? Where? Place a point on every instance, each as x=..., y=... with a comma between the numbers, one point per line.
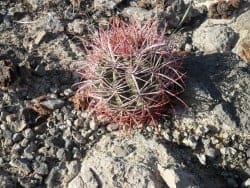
x=201, y=158
x=53, y=104
x=73, y=167
x=77, y=26
x=31, y=148
x=190, y=141
x=56, y=142
x=61, y=154
x=21, y=164
x=28, y=133
x=78, y=138
x=112, y=127
x=24, y=142
x=16, y=149
x=228, y=151
x=210, y=152
x=76, y=153
x=93, y=125
x=246, y=183
x=53, y=179
x=17, y=137
x=248, y=153
x=40, y=70
x=40, y=168
x=7, y=138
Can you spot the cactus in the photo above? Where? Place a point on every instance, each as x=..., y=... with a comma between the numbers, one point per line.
x=131, y=75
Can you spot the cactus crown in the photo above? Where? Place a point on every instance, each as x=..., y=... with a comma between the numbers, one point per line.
x=131, y=74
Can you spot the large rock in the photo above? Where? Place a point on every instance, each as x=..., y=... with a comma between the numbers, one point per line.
x=242, y=26
x=130, y=162
x=108, y=4
x=210, y=38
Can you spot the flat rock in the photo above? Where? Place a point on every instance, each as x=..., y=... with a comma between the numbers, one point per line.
x=214, y=38
x=119, y=161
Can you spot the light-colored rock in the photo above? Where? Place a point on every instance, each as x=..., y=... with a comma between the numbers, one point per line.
x=242, y=48
x=177, y=178
x=118, y=161
x=242, y=22
x=108, y=4
x=214, y=38
x=139, y=14
x=76, y=27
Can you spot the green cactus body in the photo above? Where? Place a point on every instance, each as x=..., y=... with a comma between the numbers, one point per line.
x=131, y=75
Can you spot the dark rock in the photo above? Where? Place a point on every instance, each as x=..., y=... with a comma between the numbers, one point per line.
x=8, y=73
x=56, y=142
x=6, y=182
x=17, y=137
x=28, y=118
x=16, y=149
x=25, y=142
x=22, y=164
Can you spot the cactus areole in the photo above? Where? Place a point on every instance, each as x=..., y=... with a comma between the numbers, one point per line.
x=131, y=75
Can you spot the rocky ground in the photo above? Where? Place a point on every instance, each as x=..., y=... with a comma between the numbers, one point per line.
x=47, y=142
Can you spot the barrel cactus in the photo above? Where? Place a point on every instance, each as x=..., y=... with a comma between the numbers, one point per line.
x=130, y=76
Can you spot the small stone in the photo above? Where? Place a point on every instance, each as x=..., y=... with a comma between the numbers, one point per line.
x=11, y=118
x=7, y=138
x=68, y=92
x=112, y=127
x=188, y=47
x=28, y=133
x=31, y=148
x=248, y=162
x=27, y=118
x=93, y=125
x=76, y=153
x=79, y=122
x=78, y=137
x=77, y=26
x=40, y=70
x=211, y=152
x=73, y=169
x=202, y=158
x=41, y=168
x=246, y=183
x=39, y=37
x=25, y=142
x=105, y=4
x=248, y=152
x=56, y=142
x=54, y=178
x=21, y=164
x=61, y=154
x=16, y=149
x=17, y=137
x=8, y=73
x=53, y=104
x=139, y=14
x=54, y=25
x=191, y=141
